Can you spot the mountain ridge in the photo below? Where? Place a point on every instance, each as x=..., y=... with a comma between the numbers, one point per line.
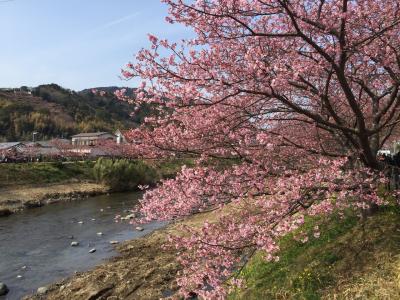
x=54, y=111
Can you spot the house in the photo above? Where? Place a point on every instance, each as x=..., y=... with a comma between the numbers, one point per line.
x=52, y=148
x=10, y=150
x=27, y=151
x=91, y=139
x=10, y=146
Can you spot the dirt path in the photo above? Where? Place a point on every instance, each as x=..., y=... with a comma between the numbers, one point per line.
x=13, y=199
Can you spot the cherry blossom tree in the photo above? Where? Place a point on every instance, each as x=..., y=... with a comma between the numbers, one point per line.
x=284, y=105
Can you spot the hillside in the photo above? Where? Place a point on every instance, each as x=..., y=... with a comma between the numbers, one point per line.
x=350, y=260
x=53, y=111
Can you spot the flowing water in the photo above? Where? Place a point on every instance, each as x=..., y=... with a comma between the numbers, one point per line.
x=35, y=245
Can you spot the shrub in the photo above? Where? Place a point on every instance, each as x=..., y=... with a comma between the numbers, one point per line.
x=123, y=174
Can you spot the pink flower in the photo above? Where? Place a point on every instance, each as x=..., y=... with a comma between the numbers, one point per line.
x=278, y=117
x=153, y=39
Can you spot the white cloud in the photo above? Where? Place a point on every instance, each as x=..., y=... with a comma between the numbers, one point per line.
x=115, y=22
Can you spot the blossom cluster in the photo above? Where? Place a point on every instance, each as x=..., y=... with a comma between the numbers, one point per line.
x=283, y=105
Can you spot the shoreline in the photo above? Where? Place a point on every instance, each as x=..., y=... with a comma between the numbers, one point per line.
x=142, y=269
x=17, y=198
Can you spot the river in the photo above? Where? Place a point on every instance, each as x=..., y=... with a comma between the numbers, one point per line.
x=35, y=245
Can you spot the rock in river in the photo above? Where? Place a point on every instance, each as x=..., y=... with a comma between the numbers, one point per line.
x=42, y=290
x=5, y=212
x=128, y=217
x=74, y=244
x=3, y=289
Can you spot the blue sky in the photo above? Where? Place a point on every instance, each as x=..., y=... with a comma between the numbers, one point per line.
x=76, y=43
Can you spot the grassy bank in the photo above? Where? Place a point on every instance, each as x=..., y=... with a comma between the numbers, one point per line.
x=13, y=174
x=351, y=260
x=17, y=174
x=26, y=185
x=124, y=175
x=13, y=199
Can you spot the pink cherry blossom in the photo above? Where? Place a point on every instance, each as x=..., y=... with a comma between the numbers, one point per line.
x=294, y=97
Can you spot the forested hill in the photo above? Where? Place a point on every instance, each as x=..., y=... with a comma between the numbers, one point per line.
x=53, y=111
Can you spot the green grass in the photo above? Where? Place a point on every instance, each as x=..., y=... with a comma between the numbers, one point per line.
x=349, y=250
x=43, y=172
x=12, y=174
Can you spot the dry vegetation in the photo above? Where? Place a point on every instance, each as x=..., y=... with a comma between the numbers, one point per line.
x=15, y=199
x=28, y=185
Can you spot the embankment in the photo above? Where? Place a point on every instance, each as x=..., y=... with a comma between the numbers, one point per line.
x=16, y=198
x=143, y=270
x=352, y=260
x=28, y=185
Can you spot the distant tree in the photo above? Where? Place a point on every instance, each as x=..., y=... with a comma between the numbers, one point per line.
x=61, y=111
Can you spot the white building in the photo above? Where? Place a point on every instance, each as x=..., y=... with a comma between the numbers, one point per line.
x=92, y=138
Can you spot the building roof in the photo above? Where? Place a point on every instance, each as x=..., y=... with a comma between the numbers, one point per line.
x=90, y=134
x=5, y=146
x=38, y=144
x=46, y=144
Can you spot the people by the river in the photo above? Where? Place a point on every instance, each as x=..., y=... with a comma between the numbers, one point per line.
x=392, y=167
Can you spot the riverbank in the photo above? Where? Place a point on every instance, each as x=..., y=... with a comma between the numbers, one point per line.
x=42, y=173
x=143, y=270
x=17, y=198
x=35, y=244
x=29, y=185
x=350, y=260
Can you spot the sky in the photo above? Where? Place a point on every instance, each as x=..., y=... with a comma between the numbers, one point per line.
x=77, y=44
